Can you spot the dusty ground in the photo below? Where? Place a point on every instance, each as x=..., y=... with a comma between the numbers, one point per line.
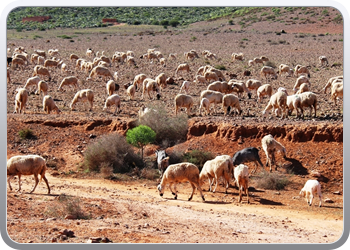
x=130, y=209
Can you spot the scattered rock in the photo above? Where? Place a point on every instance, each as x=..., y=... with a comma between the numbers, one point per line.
x=327, y=200
x=70, y=217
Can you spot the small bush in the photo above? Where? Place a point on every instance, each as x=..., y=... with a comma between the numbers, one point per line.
x=174, y=23
x=66, y=205
x=271, y=181
x=149, y=173
x=26, y=133
x=111, y=151
x=164, y=22
x=65, y=37
x=270, y=64
x=198, y=157
x=168, y=129
x=220, y=67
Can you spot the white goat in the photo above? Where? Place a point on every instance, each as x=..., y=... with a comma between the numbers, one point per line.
x=111, y=86
x=230, y=101
x=131, y=91
x=270, y=146
x=301, y=79
x=42, y=87
x=100, y=71
x=138, y=80
x=32, y=81
x=337, y=91
x=185, y=87
x=268, y=71
x=278, y=101
x=214, y=97
x=311, y=189
x=241, y=175
x=27, y=165
x=199, y=79
x=83, y=96
x=178, y=173
x=205, y=104
x=113, y=100
x=264, y=90
x=149, y=86
x=253, y=84
x=308, y=99
x=41, y=70
x=299, y=69
x=285, y=69
x=216, y=168
x=331, y=81
x=21, y=100
x=50, y=105
x=183, y=101
x=182, y=67
x=71, y=81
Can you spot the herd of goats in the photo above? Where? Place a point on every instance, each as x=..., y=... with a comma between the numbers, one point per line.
x=218, y=91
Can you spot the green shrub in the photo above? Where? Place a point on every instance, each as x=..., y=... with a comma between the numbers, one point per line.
x=169, y=130
x=164, y=22
x=26, y=133
x=271, y=181
x=65, y=37
x=174, y=23
x=111, y=151
x=220, y=67
x=140, y=137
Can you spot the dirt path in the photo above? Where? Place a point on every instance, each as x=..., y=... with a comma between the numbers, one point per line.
x=134, y=212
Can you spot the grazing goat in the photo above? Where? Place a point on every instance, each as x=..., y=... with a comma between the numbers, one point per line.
x=27, y=165
x=323, y=60
x=21, y=100
x=230, y=101
x=241, y=175
x=182, y=67
x=278, y=101
x=205, y=104
x=311, y=189
x=245, y=155
x=49, y=105
x=113, y=100
x=213, y=97
x=178, y=173
x=337, y=91
x=270, y=146
x=216, y=168
x=183, y=101
x=83, y=96
x=299, y=69
x=331, y=81
x=150, y=85
x=71, y=81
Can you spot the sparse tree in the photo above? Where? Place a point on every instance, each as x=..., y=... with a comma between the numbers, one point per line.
x=140, y=137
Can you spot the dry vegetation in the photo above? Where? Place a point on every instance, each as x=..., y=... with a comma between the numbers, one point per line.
x=129, y=210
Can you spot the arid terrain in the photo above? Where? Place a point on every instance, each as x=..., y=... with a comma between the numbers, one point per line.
x=129, y=209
